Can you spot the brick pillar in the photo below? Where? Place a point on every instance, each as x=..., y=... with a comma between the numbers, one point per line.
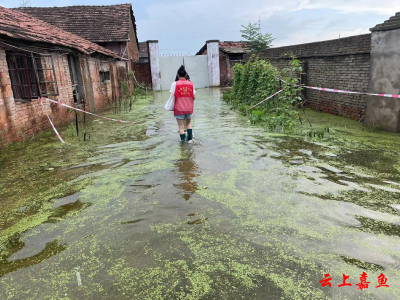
x=154, y=55
x=213, y=62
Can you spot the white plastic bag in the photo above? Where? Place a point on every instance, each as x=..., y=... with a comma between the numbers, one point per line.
x=170, y=103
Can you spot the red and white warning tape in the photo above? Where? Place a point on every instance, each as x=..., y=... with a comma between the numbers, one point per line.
x=349, y=92
x=74, y=108
x=86, y=112
x=328, y=90
x=344, y=92
x=52, y=125
x=278, y=92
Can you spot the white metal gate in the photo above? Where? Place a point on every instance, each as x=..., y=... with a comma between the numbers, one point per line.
x=196, y=66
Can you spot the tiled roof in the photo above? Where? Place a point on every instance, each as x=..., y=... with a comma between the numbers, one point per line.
x=17, y=25
x=143, y=49
x=392, y=23
x=233, y=47
x=108, y=23
x=235, y=50
x=228, y=47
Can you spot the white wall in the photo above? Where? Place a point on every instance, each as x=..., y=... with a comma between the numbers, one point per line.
x=196, y=66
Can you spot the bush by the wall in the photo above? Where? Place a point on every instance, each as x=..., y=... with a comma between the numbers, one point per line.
x=258, y=79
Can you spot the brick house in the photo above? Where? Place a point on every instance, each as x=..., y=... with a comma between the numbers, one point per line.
x=110, y=26
x=230, y=53
x=40, y=60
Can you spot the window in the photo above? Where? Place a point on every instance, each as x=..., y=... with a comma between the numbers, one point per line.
x=31, y=76
x=104, y=76
x=236, y=56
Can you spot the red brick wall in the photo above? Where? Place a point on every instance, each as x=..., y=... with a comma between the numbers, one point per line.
x=226, y=69
x=132, y=46
x=20, y=120
x=104, y=93
x=342, y=64
x=143, y=73
x=101, y=90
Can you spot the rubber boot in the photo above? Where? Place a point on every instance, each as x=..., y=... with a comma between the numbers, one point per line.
x=190, y=134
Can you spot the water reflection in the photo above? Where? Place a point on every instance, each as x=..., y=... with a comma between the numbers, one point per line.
x=7, y=265
x=189, y=171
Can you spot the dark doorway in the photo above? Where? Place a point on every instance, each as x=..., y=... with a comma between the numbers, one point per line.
x=76, y=78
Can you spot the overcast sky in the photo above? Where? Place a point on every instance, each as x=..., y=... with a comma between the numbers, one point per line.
x=184, y=26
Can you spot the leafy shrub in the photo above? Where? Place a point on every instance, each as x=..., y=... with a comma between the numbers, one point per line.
x=258, y=79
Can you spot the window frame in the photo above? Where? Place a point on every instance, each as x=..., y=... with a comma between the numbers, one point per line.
x=30, y=69
x=104, y=76
x=236, y=57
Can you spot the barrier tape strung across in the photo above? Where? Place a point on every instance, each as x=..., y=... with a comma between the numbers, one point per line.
x=278, y=92
x=343, y=91
x=143, y=87
x=349, y=92
x=52, y=125
x=86, y=112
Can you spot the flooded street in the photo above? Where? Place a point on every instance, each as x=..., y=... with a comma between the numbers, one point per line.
x=239, y=214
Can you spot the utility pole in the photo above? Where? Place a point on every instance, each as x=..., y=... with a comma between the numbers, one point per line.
x=24, y=3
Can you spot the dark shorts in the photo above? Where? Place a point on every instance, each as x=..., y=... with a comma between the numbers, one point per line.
x=182, y=117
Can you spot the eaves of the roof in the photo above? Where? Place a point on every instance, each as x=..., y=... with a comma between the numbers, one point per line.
x=20, y=26
x=392, y=23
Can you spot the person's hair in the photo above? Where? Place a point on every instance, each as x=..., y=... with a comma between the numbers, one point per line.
x=182, y=72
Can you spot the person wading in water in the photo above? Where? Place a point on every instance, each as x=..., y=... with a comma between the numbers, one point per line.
x=184, y=102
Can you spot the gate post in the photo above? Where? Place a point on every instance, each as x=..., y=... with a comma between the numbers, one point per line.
x=385, y=76
x=213, y=62
x=154, y=55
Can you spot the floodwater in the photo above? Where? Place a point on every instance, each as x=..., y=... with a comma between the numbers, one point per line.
x=239, y=214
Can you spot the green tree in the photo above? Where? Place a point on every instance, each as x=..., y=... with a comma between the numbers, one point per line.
x=256, y=41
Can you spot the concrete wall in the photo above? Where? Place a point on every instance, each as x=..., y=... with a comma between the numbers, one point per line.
x=340, y=64
x=213, y=63
x=385, y=78
x=154, y=55
x=225, y=67
x=20, y=120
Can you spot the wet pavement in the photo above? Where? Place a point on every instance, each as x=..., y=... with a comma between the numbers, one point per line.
x=239, y=214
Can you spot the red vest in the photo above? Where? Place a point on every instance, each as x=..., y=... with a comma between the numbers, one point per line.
x=184, y=97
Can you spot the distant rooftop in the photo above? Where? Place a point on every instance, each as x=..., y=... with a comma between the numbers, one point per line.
x=229, y=47
x=106, y=23
x=234, y=47
x=143, y=49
